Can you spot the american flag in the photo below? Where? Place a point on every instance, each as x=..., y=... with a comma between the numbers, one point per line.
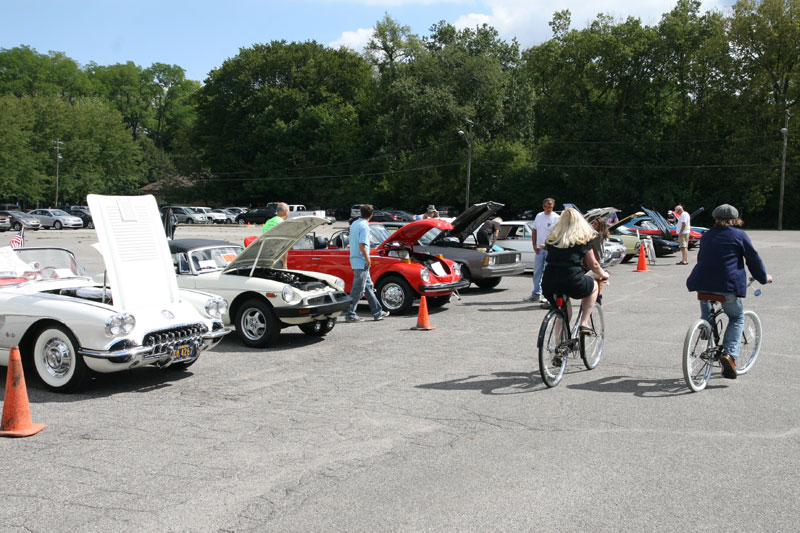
x=19, y=239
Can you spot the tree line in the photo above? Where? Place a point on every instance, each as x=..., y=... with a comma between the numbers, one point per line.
x=688, y=110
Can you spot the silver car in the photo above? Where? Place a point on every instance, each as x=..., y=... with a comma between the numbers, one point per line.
x=187, y=215
x=5, y=223
x=56, y=219
x=21, y=220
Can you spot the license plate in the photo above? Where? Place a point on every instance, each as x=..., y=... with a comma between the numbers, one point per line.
x=183, y=352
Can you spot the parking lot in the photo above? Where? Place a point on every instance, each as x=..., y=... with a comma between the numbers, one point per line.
x=377, y=427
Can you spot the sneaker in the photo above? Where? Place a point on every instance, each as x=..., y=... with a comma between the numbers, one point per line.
x=535, y=298
x=728, y=366
x=542, y=299
x=381, y=316
x=353, y=319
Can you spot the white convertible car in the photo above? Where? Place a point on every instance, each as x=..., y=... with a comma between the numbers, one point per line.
x=263, y=299
x=67, y=325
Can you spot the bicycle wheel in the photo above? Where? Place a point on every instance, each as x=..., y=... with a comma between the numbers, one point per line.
x=592, y=344
x=751, y=343
x=697, y=355
x=552, y=349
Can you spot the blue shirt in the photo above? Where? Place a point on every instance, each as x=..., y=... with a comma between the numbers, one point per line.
x=720, y=262
x=359, y=234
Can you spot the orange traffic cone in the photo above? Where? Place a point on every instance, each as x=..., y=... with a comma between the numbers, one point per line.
x=16, y=412
x=422, y=318
x=642, y=266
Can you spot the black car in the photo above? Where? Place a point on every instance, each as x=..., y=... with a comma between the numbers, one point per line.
x=84, y=214
x=259, y=215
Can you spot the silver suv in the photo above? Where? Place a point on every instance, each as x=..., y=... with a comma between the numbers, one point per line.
x=187, y=215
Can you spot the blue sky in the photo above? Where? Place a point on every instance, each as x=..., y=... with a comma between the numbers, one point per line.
x=201, y=34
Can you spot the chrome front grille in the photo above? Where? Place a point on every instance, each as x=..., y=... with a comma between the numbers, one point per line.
x=164, y=340
x=505, y=259
x=330, y=297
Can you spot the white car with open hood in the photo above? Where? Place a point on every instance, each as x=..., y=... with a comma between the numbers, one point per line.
x=263, y=299
x=66, y=324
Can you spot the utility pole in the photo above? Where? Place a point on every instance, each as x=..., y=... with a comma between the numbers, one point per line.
x=785, y=131
x=57, y=144
x=468, y=137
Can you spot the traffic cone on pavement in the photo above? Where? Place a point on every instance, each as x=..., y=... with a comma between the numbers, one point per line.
x=16, y=421
x=422, y=319
x=642, y=266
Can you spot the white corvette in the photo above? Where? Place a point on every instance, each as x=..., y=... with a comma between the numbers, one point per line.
x=67, y=325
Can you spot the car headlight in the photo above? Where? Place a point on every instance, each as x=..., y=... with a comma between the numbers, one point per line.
x=457, y=269
x=425, y=274
x=339, y=284
x=490, y=260
x=287, y=293
x=216, y=307
x=120, y=324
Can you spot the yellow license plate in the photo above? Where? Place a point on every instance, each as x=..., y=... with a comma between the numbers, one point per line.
x=183, y=352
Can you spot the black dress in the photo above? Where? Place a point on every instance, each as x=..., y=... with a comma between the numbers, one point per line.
x=563, y=273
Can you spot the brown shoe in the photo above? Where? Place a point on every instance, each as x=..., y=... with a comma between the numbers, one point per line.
x=728, y=366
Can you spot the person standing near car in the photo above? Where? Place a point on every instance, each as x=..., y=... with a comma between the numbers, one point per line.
x=542, y=225
x=724, y=249
x=488, y=233
x=684, y=227
x=281, y=214
x=360, y=262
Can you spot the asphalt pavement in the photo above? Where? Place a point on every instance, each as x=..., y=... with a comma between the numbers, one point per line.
x=377, y=427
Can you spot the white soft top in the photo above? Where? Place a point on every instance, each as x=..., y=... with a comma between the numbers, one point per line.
x=135, y=250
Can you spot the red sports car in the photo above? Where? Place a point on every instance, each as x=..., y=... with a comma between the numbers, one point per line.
x=400, y=274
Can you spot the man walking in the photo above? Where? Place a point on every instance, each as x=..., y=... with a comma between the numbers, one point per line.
x=542, y=225
x=684, y=227
x=281, y=214
x=360, y=263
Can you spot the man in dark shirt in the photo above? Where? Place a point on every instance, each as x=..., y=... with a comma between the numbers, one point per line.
x=487, y=234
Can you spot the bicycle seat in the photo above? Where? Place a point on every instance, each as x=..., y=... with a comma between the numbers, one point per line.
x=711, y=297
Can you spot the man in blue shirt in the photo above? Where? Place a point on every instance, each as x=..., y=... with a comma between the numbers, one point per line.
x=360, y=262
x=720, y=269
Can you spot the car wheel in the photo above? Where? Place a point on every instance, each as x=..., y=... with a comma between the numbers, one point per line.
x=318, y=328
x=57, y=361
x=227, y=221
x=438, y=301
x=17, y=226
x=489, y=283
x=57, y=225
x=256, y=323
x=90, y=225
x=466, y=274
x=240, y=221
x=395, y=295
x=189, y=221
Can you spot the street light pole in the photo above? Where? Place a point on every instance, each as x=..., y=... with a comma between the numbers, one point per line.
x=468, y=137
x=785, y=131
x=58, y=144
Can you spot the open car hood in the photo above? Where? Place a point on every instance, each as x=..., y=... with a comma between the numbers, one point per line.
x=135, y=251
x=660, y=221
x=413, y=231
x=599, y=212
x=275, y=242
x=471, y=219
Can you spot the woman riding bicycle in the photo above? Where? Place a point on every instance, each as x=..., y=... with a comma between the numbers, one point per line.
x=568, y=249
x=720, y=270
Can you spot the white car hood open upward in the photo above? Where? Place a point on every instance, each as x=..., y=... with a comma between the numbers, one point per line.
x=271, y=245
x=135, y=250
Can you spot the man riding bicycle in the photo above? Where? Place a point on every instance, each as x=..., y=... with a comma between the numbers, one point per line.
x=724, y=249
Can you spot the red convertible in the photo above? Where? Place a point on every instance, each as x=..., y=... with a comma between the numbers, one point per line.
x=400, y=274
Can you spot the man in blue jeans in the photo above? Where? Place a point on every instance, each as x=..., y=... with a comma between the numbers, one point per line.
x=360, y=263
x=540, y=229
x=724, y=249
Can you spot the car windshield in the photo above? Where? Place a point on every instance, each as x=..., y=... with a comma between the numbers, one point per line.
x=59, y=213
x=429, y=236
x=209, y=259
x=18, y=213
x=50, y=263
x=190, y=210
x=377, y=234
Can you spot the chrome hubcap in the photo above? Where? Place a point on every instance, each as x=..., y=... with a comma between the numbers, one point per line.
x=253, y=324
x=392, y=296
x=57, y=357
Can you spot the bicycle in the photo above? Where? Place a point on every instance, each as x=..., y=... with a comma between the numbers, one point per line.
x=557, y=340
x=702, y=347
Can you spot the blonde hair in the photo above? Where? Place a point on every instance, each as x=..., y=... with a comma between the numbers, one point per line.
x=571, y=229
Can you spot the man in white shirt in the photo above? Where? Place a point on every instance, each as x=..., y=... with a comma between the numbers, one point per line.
x=684, y=227
x=542, y=225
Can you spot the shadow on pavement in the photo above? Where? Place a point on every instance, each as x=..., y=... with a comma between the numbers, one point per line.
x=644, y=388
x=500, y=384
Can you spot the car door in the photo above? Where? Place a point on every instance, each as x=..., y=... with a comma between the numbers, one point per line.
x=45, y=216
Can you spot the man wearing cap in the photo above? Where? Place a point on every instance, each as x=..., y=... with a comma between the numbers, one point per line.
x=724, y=249
x=684, y=228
